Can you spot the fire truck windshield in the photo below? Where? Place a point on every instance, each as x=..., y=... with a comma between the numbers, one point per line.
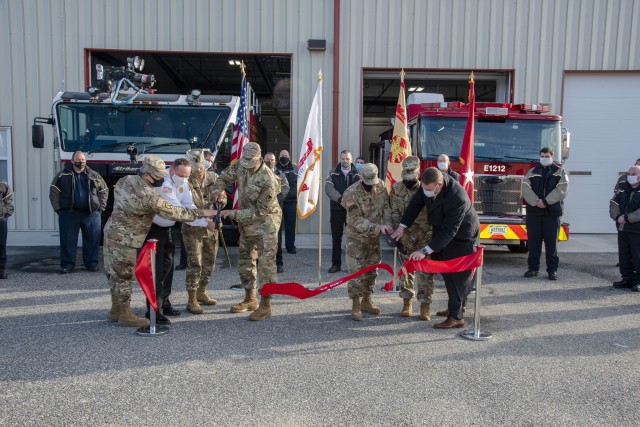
x=108, y=128
x=510, y=139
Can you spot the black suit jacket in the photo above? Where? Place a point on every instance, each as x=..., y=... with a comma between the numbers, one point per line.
x=455, y=223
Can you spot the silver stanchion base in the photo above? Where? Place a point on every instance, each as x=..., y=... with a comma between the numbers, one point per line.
x=146, y=331
x=470, y=334
x=236, y=287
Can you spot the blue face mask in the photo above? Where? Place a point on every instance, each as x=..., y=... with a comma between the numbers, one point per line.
x=359, y=166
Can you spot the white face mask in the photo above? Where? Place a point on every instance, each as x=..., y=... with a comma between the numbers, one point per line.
x=428, y=193
x=442, y=166
x=207, y=164
x=632, y=179
x=546, y=161
x=177, y=180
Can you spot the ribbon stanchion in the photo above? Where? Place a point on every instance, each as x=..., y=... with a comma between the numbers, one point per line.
x=295, y=289
x=146, y=275
x=467, y=262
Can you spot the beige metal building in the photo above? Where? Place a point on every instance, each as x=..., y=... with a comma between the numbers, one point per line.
x=580, y=56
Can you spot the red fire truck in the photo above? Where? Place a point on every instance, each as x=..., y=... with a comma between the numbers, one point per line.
x=508, y=138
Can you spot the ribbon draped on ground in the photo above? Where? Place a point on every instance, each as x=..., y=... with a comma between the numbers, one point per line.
x=463, y=263
x=297, y=290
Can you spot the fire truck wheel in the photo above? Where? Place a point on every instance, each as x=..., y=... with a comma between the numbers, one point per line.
x=522, y=248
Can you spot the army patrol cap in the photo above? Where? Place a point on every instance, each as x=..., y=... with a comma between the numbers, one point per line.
x=251, y=155
x=369, y=174
x=410, y=168
x=154, y=166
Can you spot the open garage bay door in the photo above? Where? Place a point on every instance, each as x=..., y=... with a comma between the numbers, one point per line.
x=601, y=112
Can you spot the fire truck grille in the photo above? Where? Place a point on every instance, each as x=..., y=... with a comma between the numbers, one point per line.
x=497, y=195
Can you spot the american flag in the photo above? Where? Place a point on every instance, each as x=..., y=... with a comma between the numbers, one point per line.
x=240, y=131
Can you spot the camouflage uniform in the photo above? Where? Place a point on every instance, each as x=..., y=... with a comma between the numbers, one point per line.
x=259, y=217
x=415, y=237
x=201, y=243
x=6, y=210
x=135, y=203
x=367, y=211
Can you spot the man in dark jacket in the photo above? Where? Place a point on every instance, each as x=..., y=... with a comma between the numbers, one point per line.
x=455, y=233
x=339, y=180
x=544, y=189
x=624, y=209
x=78, y=195
x=290, y=204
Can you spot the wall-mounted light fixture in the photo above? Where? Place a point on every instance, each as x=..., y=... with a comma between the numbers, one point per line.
x=316, y=44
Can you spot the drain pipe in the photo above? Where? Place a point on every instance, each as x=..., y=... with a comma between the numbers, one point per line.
x=336, y=81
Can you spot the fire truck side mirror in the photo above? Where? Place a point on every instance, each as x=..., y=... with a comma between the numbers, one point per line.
x=566, y=143
x=37, y=136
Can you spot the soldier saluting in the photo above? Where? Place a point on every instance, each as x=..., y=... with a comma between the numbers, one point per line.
x=135, y=203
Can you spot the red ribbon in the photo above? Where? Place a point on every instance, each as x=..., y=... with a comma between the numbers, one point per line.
x=463, y=263
x=295, y=289
x=144, y=273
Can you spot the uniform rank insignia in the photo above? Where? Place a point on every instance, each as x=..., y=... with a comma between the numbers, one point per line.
x=181, y=189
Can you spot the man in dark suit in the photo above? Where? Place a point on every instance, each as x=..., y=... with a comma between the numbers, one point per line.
x=455, y=233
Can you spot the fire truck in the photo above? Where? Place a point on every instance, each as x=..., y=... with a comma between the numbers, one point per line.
x=508, y=138
x=120, y=120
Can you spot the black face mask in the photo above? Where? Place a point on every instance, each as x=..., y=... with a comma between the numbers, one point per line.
x=366, y=187
x=157, y=182
x=284, y=160
x=79, y=165
x=409, y=184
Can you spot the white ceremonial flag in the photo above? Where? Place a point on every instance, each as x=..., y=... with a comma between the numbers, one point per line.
x=310, y=157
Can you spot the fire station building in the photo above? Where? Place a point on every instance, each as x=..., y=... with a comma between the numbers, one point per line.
x=579, y=58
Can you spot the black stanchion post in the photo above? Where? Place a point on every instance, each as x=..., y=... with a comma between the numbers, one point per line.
x=152, y=330
x=475, y=334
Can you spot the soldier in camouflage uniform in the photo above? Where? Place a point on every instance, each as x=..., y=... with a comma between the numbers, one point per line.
x=368, y=215
x=135, y=203
x=6, y=210
x=259, y=216
x=200, y=237
x=414, y=238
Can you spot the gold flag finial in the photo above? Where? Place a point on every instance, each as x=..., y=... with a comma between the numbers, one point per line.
x=244, y=73
x=320, y=75
x=472, y=78
x=402, y=73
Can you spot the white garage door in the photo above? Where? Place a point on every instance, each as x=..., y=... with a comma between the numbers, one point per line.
x=601, y=110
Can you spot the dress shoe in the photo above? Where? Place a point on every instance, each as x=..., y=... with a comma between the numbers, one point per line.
x=450, y=323
x=160, y=319
x=445, y=313
x=168, y=310
x=622, y=284
x=636, y=288
x=3, y=274
x=280, y=269
x=531, y=273
x=93, y=269
x=334, y=269
x=553, y=275
x=66, y=270
x=292, y=251
x=181, y=267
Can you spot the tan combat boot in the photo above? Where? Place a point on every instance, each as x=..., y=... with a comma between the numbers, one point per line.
x=425, y=311
x=114, y=313
x=407, y=308
x=129, y=318
x=356, y=313
x=250, y=302
x=264, y=310
x=367, y=305
x=192, y=306
x=203, y=298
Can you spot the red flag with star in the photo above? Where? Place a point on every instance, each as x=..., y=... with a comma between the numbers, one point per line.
x=466, y=153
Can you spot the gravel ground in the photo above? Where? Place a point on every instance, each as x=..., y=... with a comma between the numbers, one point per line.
x=563, y=353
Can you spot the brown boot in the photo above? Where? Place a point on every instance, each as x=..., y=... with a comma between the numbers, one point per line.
x=114, y=313
x=192, y=306
x=425, y=311
x=129, y=318
x=407, y=308
x=356, y=313
x=367, y=305
x=250, y=302
x=203, y=298
x=264, y=310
